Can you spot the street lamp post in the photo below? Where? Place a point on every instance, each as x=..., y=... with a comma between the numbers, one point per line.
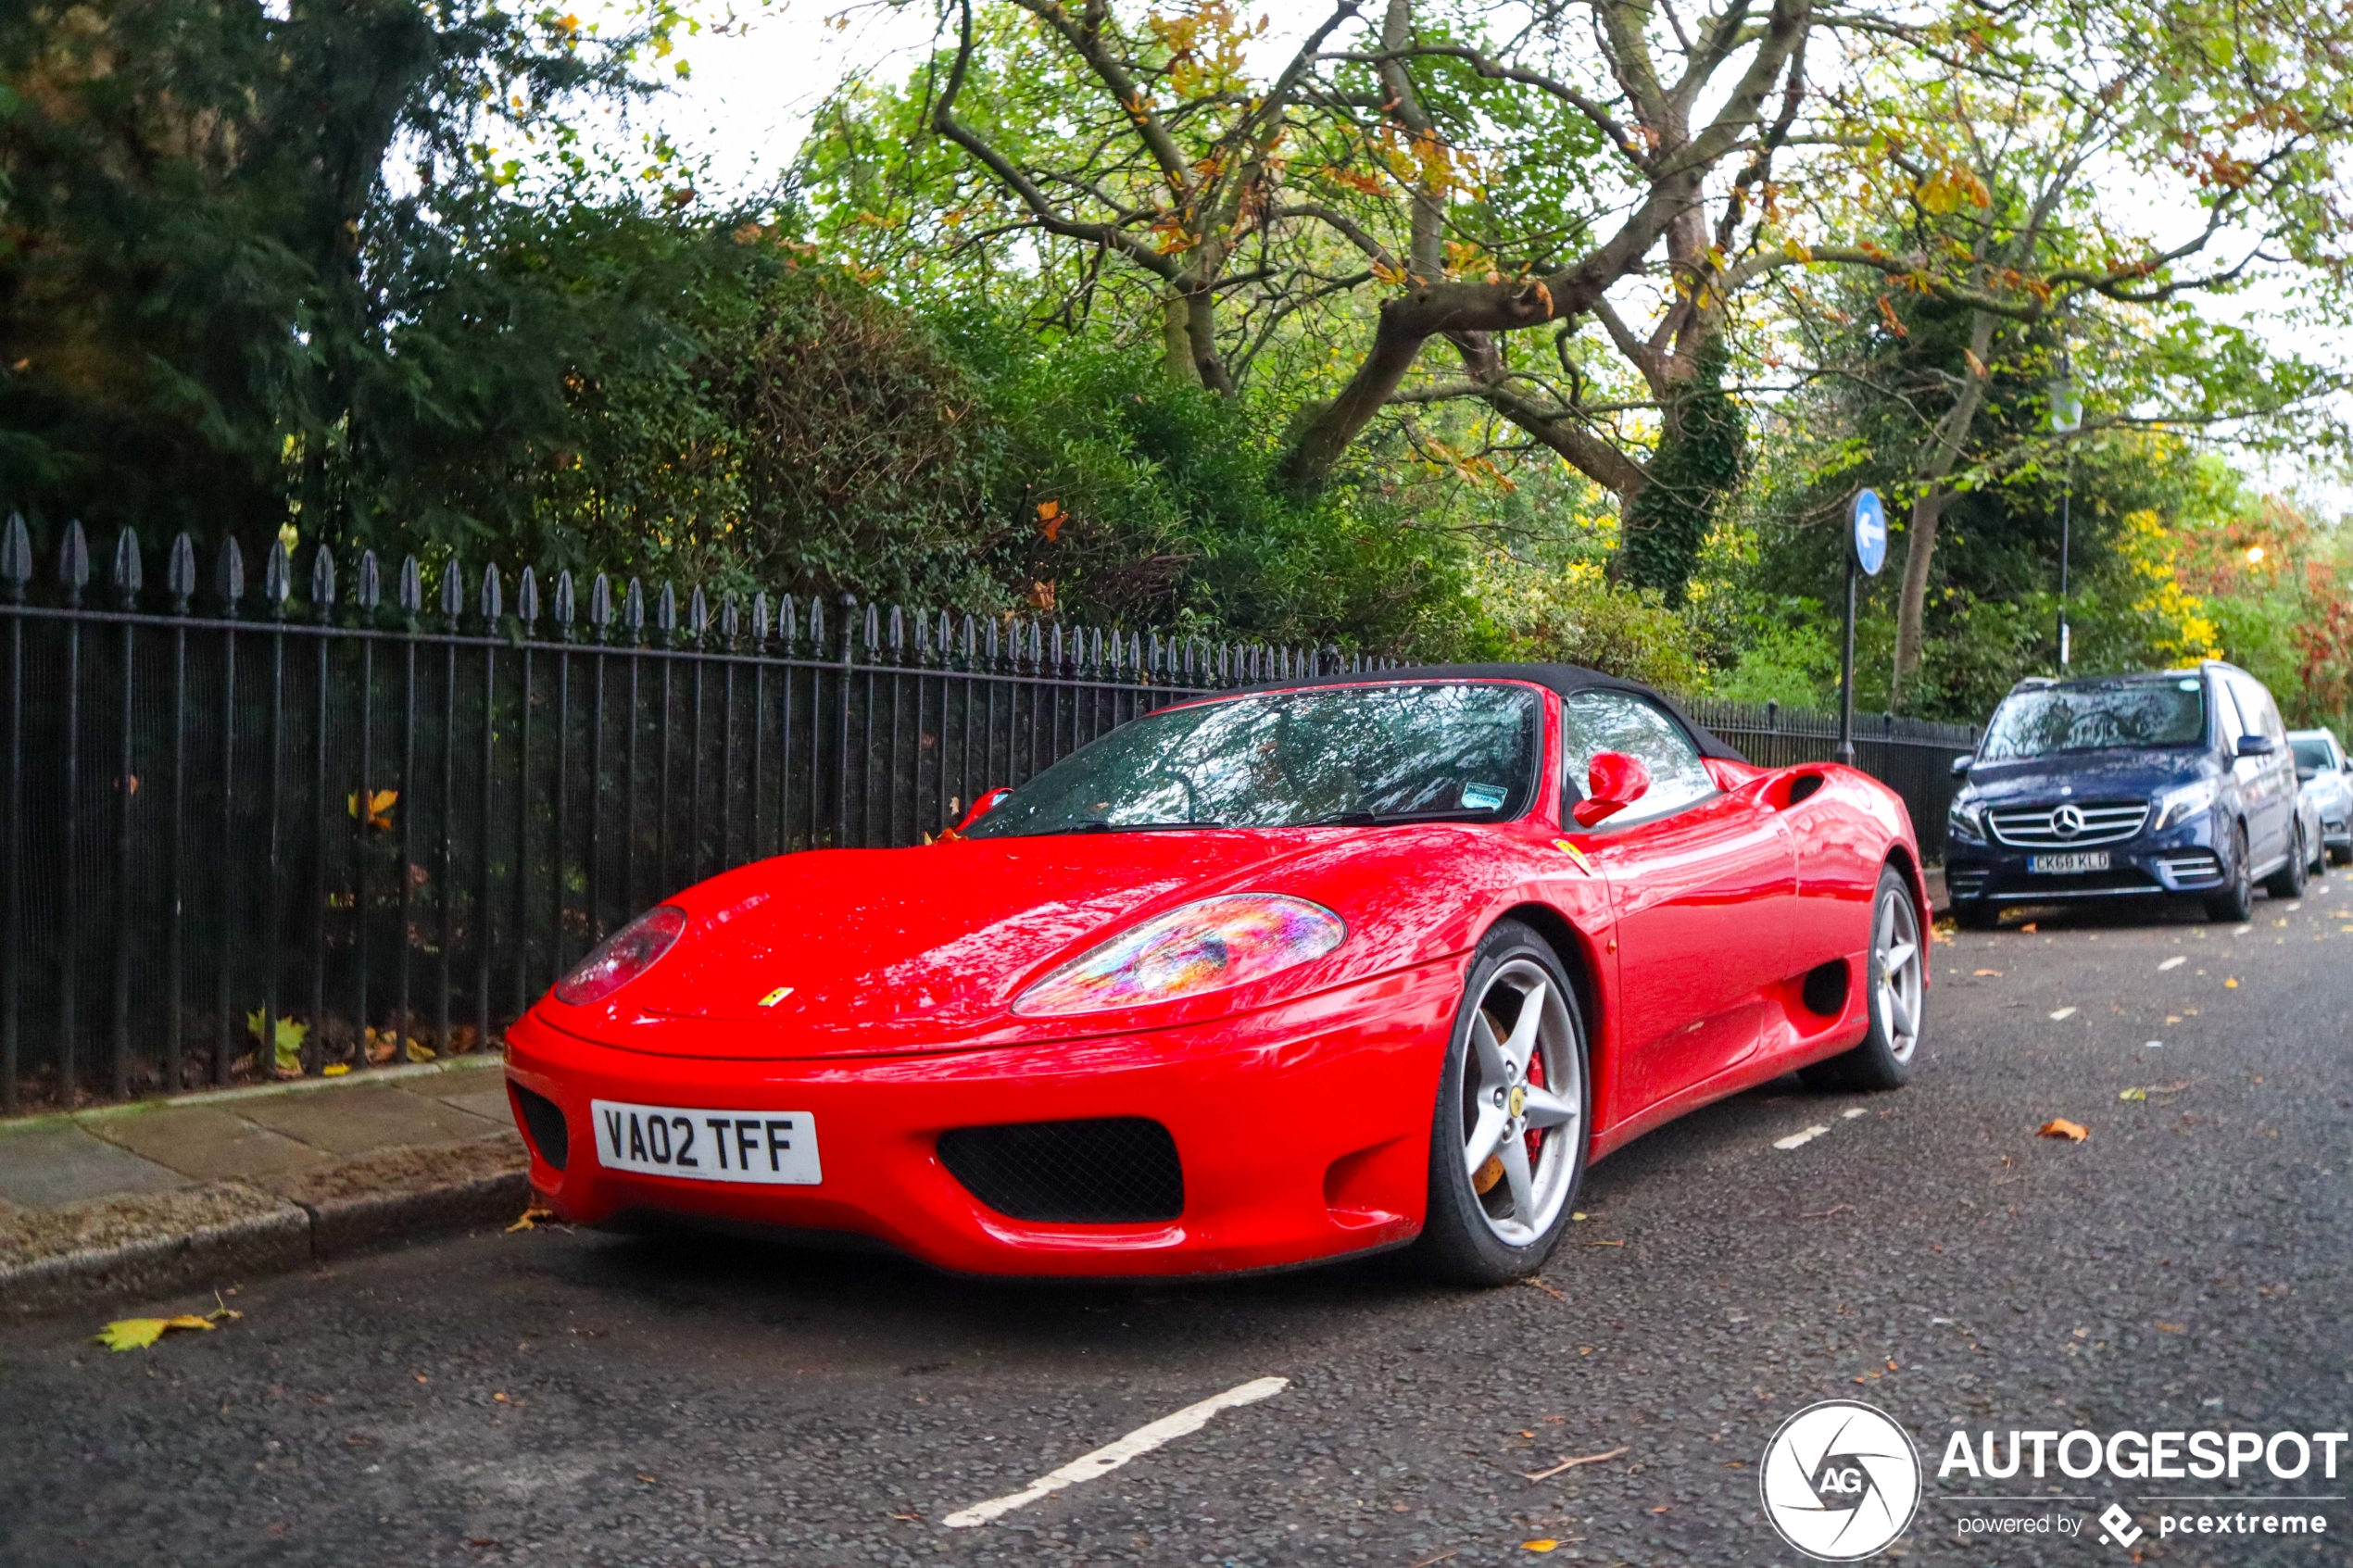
x=2067, y=416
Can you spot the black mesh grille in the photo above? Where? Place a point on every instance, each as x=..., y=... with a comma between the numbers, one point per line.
x=1118, y=1170
x=545, y=1121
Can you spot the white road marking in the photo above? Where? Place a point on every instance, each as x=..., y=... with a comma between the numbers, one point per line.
x=2062, y=1015
x=1109, y=1457
x=1796, y=1139
x=2176, y=961
x=1852, y=1112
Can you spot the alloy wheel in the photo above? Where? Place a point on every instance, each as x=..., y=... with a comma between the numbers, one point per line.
x=1897, y=977
x=1523, y=1103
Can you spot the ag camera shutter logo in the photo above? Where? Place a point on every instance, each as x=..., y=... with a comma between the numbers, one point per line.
x=1841, y=1480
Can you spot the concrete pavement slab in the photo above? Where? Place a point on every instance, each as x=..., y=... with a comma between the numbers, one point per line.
x=41, y=1167
x=200, y=1141
x=364, y=1119
x=489, y=1104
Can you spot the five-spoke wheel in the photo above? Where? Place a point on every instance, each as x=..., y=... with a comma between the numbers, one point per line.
x=1508, y=1143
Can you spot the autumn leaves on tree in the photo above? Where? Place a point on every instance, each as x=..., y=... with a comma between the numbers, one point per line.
x=1410, y=218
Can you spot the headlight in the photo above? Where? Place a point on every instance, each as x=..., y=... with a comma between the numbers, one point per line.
x=622, y=957
x=1189, y=951
x=2180, y=804
x=1967, y=820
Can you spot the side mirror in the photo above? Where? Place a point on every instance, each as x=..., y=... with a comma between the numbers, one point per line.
x=2255, y=746
x=982, y=805
x=2305, y=775
x=1961, y=765
x=1613, y=782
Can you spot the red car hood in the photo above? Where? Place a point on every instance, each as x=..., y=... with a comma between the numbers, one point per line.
x=901, y=949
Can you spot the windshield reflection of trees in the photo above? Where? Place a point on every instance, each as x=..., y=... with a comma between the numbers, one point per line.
x=1287, y=760
x=2037, y=723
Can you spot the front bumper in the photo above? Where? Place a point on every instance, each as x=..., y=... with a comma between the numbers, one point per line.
x=2184, y=859
x=1302, y=1133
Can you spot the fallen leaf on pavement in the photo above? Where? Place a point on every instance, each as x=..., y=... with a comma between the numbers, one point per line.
x=1537, y=1546
x=2232, y=984
x=1995, y=973
x=1573, y=1463
x=2060, y=1127
x=2170, y=1328
x=2062, y=1015
x=1437, y=1556
x=336, y=1071
x=2176, y=961
x=2031, y=926
x=2133, y=1094
x=529, y=1219
x=1545, y=1288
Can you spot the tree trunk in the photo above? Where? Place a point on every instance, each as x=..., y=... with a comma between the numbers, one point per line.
x=1951, y=436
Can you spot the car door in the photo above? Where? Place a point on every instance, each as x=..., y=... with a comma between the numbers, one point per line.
x=2267, y=784
x=1705, y=886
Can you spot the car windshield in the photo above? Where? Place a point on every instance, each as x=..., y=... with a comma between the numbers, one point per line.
x=2312, y=754
x=1437, y=751
x=2094, y=717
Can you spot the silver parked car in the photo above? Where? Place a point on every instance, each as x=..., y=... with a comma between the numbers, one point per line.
x=2328, y=784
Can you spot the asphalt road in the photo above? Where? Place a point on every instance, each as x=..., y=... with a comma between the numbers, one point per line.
x=556, y=1398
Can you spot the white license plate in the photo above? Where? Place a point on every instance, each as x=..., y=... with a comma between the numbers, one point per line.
x=775, y=1147
x=2068, y=865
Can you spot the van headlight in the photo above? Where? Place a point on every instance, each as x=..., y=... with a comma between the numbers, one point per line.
x=2180, y=804
x=1966, y=821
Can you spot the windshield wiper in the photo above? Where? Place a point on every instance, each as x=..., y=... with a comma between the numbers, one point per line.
x=1101, y=826
x=1390, y=818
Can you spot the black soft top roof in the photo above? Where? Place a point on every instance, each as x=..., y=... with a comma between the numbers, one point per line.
x=1566, y=679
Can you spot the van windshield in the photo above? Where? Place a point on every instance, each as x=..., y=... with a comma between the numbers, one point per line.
x=2097, y=716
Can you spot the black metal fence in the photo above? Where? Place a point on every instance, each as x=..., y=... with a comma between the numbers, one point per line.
x=321, y=836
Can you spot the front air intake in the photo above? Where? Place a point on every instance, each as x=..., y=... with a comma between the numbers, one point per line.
x=544, y=1120
x=1111, y=1171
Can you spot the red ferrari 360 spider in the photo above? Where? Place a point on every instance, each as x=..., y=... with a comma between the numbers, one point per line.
x=1258, y=979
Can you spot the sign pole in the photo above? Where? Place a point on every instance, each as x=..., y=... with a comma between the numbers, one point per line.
x=1865, y=553
x=1846, y=675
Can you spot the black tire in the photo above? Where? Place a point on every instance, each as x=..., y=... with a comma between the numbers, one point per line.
x=1459, y=1243
x=2341, y=854
x=2289, y=880
x=2234, y=904
x=1975, y=914
x=1885, y=1058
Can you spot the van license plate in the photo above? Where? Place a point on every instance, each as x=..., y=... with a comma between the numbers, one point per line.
x=2068, y=865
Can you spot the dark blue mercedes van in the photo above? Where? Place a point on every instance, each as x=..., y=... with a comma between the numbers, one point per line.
x=2178, y=783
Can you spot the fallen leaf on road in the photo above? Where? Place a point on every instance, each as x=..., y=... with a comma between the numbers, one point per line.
x=1537, y=1546
x=648, y=1480
x=2133, y=1094
x=1601, y=1244
x=1436, y=1557
x=1547, y=1289
x=1995, y=973
x=1662, y=1508
x=2031, y=926
x=2060, y=1127
x=336, y=1071
x=2176, y=961
x=138, y=1334
x=2062, y=1015
x=529, y=1219
x=2232, y=984
x=2170, y=1328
